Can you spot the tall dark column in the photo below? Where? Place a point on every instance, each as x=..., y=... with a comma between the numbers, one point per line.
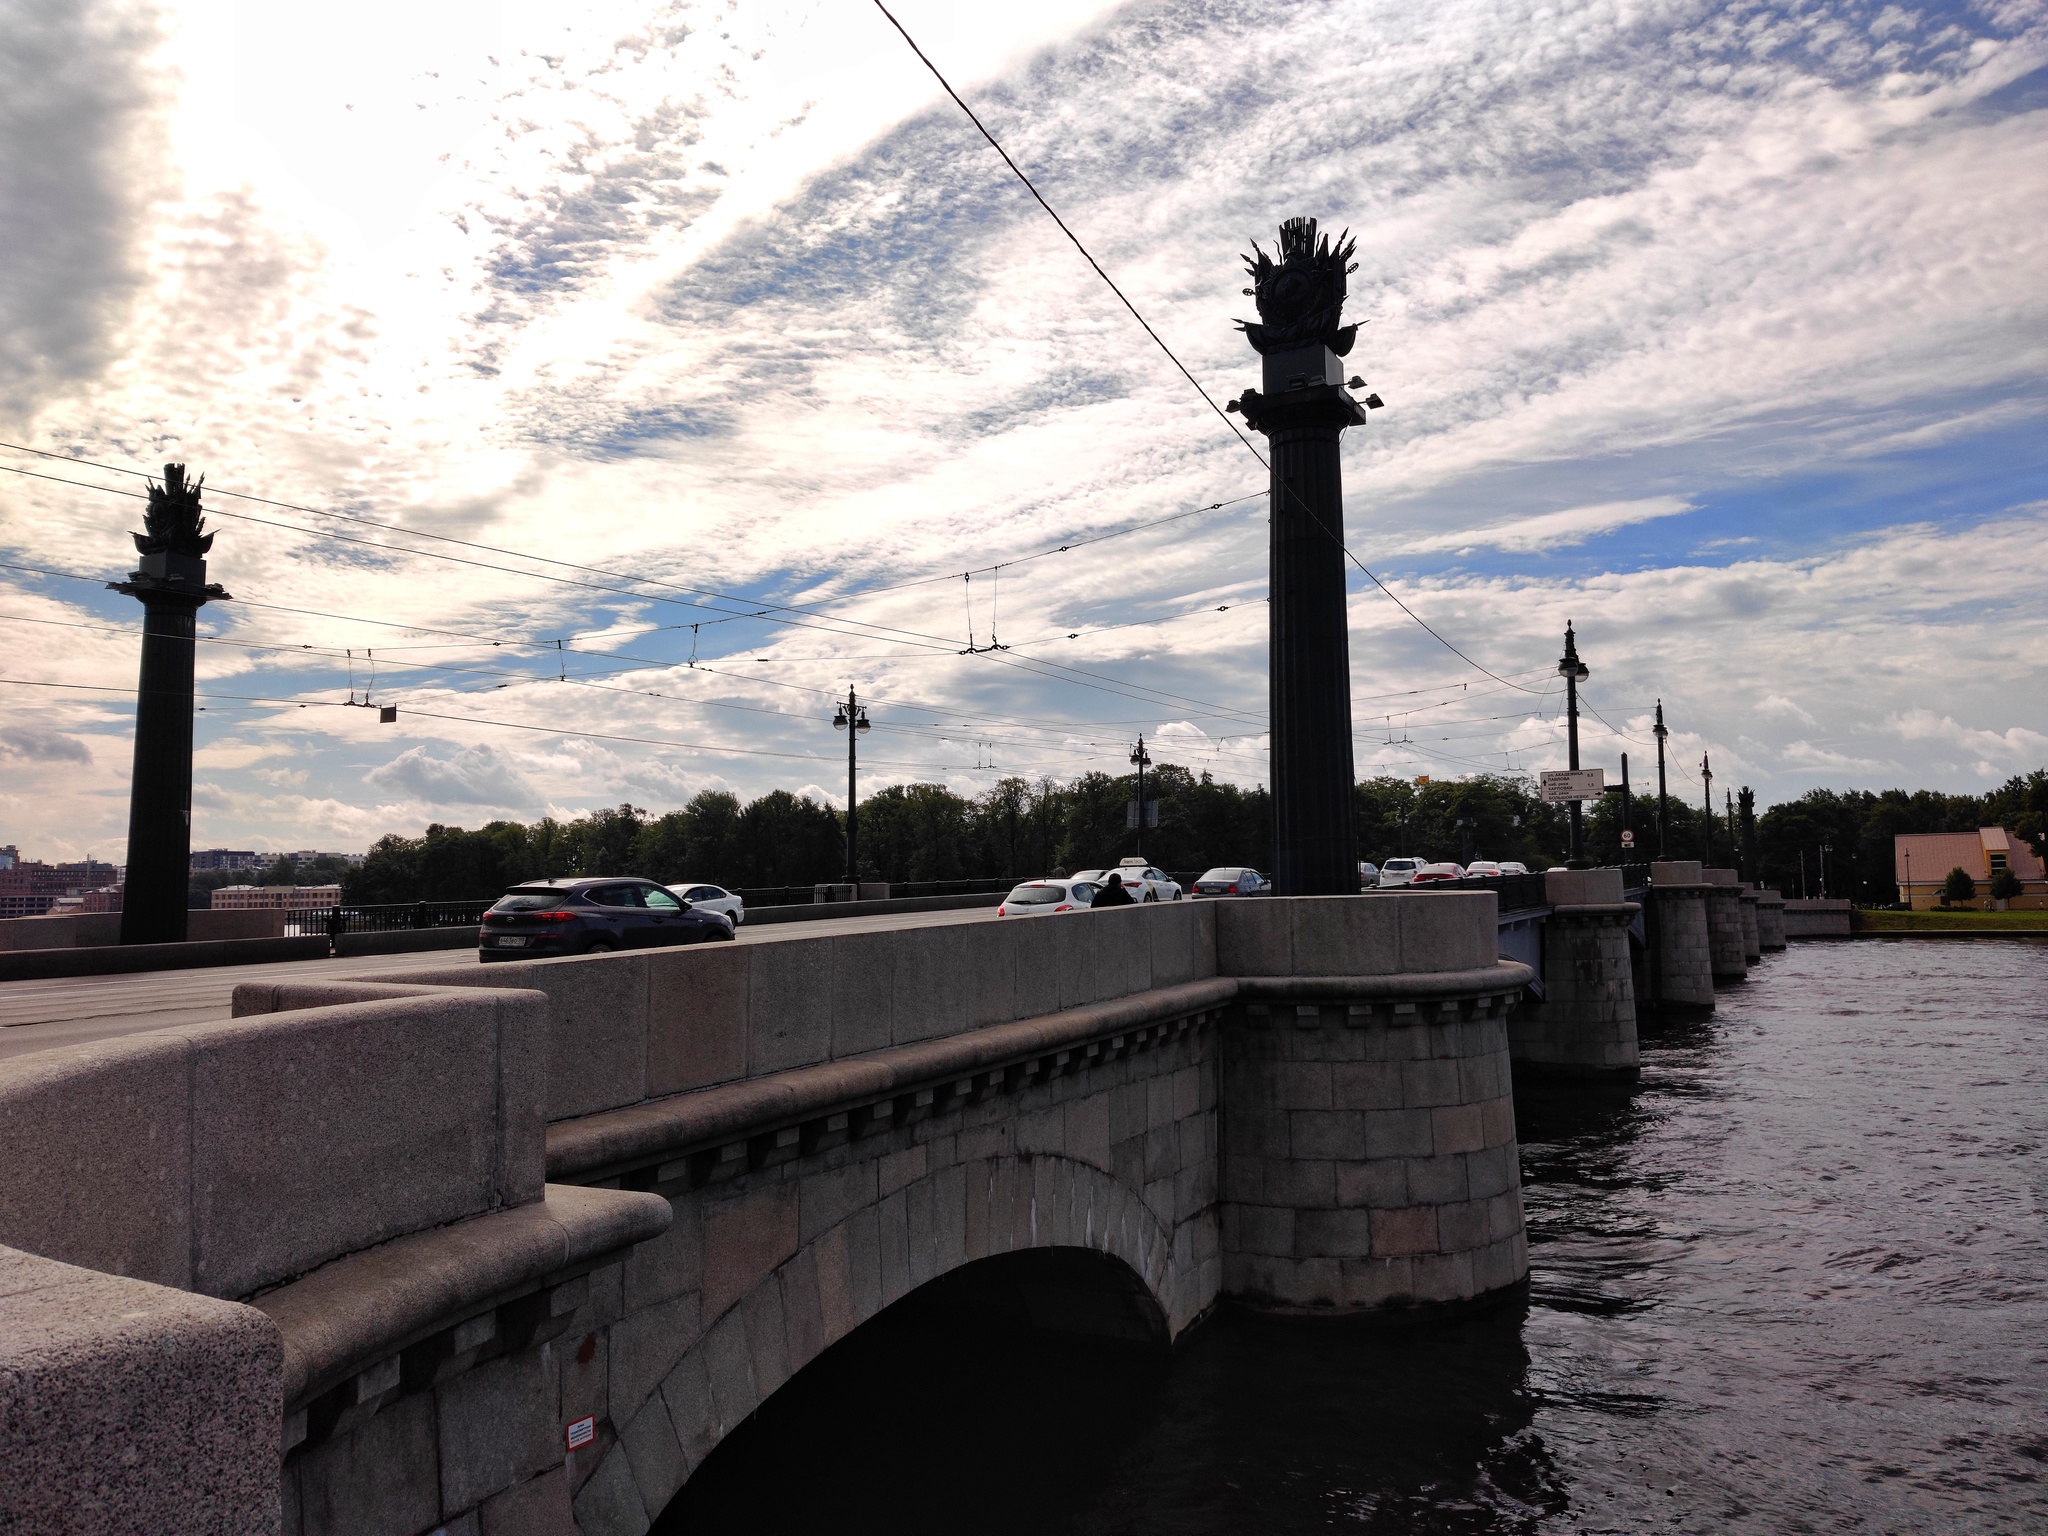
x=1303, y=410
x=171, y=585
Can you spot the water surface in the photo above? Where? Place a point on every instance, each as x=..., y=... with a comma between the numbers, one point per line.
x=1795, y=1280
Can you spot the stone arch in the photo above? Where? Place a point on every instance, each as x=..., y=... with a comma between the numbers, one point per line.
x=948, y=1218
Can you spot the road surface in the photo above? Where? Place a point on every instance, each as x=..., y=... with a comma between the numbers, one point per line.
x=39, y=1015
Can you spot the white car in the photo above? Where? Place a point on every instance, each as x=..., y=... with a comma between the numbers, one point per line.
x=1512, y=868
x=713, y=898
x=1484, y=869
x=1042, y=898
x=1145, y=882
x=1399, y=872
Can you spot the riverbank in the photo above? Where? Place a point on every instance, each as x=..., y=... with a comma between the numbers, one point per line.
x=1985, y=924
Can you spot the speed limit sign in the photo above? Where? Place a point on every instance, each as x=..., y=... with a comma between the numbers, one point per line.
x=1628, y=838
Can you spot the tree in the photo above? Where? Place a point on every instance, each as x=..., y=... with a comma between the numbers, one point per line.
x=2005, y=885
x=1958, y=886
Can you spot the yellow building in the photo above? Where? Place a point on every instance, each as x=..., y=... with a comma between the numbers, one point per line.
x=1921, y=862
x=293, y=898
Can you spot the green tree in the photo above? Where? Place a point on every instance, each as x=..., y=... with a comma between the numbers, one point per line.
x=2005, y=885
x=1958, y=886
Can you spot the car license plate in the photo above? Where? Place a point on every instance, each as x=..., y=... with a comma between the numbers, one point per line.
x=509, y=941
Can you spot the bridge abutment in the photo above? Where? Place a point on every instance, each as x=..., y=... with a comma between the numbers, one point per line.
x=1727, y=949
x=1678, y=942
x=1752, y=927
x=1770, y=920
x=1368, y=1131
x=1585, y=1023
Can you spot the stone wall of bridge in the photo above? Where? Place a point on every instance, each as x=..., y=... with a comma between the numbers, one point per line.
x=711, y=1164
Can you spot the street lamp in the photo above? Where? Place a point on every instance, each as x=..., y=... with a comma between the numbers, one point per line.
x=853, y=719
x=1574, y=672
x=1141, y=759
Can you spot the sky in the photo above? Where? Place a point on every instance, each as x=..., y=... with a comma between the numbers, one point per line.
x=611, y=386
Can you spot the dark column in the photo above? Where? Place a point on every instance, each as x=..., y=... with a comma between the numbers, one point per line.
x=171, y=586
x=852, y=719
x=1303, y=410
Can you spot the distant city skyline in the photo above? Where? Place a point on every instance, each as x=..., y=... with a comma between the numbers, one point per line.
x=1717, y=335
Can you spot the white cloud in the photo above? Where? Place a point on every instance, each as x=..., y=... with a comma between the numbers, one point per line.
x=1555, y=530
x=474, y=776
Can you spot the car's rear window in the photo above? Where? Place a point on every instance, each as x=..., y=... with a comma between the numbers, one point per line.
x=530, y=901
x=1034, y=896
x=1225, y=875
x=1399, y=864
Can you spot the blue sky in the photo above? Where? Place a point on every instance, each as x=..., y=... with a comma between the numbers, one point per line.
x=1715, y=329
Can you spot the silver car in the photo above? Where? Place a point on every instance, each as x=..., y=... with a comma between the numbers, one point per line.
x=1042, y=898
x=1399, y=872
x=713, y=898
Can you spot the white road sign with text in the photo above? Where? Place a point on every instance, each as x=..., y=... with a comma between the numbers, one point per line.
x=1573, y=783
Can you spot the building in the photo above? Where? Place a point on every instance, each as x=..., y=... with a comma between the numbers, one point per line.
x=208, y=859
x=1921, y=862
x=9, y=857
x=308, y=855
x=292, y=898
x=29, y=888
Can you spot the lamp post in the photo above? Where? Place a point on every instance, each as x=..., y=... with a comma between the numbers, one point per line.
x=1141, y=760
x=171, y=585
x=1303, y=410
x=852, y=718
x=1660, y=734
x=1574, y=672
x=1707, y=793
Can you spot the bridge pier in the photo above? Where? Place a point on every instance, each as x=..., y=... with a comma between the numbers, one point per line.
x=1770, y=920
x=1585, y=1023
x=1727, y=949
x=1752, y=927
x=1677, y=944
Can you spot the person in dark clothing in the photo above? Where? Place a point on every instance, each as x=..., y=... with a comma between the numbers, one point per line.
x=1113, y=894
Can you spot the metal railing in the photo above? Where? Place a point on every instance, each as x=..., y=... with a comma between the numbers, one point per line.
x=393, y=918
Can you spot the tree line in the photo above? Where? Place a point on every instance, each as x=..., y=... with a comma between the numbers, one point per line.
x=1021, y=828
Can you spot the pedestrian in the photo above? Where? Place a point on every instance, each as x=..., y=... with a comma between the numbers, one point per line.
x=1113, y=894
x=334, y=927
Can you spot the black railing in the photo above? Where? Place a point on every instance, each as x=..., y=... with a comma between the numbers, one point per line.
x=388, y=919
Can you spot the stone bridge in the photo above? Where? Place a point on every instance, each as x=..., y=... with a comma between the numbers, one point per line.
x=513, y=1249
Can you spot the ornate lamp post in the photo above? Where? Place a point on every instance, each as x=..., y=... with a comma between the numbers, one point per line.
x=852, y=719
x=1303, y=410
x=172, y=587
x=1574, y=672
x=1660, y=733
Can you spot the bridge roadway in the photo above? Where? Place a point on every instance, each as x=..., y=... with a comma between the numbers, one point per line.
x=40, y=1015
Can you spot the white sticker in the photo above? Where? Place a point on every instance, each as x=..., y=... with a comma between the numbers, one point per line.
x=582, y=1431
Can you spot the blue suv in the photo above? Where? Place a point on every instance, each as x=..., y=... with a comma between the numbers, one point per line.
x=591, y=916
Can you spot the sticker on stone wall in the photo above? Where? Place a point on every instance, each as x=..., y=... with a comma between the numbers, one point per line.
x=582, y=1431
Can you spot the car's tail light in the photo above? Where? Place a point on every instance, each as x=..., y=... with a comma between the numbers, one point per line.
x=554, y=917
x=1002, y=911
x=1063, y=907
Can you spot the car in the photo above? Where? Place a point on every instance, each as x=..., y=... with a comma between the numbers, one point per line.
x=1042, y=898
x=1398, y=871
x=1484, y=869
x=590, y=915
x=1432, y=874
x=1145, y=882
x=1512, y=868
x=1368, y=874
x=1232, y=880
x=711, y=898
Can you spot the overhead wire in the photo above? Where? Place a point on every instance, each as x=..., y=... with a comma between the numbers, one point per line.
x=1207, y=398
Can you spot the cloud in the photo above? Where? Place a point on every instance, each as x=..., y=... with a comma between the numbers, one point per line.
x=2015, y=744
x=1777, y=704
x=35, y=744
x=1556, y=530
x=477, y=775
x=75, y=129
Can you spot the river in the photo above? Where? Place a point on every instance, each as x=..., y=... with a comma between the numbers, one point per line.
x=1795, y=1279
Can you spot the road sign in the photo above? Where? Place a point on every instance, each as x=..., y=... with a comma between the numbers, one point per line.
x=1572, y=784
x=1628, y=838
x=1131, y=813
